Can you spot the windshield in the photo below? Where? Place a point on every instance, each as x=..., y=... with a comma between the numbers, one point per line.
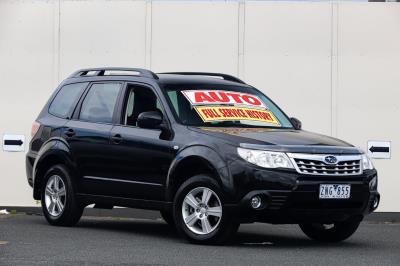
x=224, y=106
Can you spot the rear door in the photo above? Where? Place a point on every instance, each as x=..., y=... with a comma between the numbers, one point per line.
x=88, y=134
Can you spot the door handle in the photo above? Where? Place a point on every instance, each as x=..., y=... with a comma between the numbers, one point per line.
x=117, y=139
x=69, y=132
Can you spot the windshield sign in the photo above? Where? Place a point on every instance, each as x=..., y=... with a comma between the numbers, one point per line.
x=220, y=105
x=222, y=113
x=207, y=97
x=216, y=105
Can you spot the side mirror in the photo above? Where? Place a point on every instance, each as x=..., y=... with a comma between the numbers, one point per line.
x=150, y=119
x=296, y=123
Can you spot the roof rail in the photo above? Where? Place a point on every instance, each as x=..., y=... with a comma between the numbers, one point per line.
x=224, y=76
x=101, y=70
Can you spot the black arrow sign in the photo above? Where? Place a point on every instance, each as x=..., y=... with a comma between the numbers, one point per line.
x=379, y=149
x=15, y=142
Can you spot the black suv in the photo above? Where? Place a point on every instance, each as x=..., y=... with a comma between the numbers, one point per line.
x=206, y=150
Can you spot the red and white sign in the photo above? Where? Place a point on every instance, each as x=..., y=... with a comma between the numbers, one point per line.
x=214, y=97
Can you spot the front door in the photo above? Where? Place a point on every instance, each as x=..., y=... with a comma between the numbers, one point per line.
x=140, y=159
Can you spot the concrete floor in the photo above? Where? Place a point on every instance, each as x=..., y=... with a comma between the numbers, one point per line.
x=28, y=239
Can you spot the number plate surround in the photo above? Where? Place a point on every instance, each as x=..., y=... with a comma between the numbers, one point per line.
x=334, y=191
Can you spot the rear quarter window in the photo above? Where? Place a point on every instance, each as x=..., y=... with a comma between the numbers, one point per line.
x=66, y=98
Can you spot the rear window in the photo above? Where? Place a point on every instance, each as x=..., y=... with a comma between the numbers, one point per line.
x=66, y=98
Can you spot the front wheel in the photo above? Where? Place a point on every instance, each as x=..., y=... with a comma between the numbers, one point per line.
x=200, y=214
x=335, y=232
x=59, y=203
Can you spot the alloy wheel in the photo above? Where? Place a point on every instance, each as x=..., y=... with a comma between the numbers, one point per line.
x=55, y=196
x=201, y=210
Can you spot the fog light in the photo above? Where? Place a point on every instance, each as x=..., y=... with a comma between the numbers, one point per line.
x=255, y=202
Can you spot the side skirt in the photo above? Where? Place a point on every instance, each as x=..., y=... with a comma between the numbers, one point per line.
x=125, y=202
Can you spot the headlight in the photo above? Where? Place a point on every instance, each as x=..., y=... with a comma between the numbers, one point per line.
x=267, y=159
x=367, y=163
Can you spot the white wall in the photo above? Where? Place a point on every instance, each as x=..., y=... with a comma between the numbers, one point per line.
x=333, y=65
x=101, y=33
x=194, y=36
x=287, y=49
x=27, y=70
x=368, y=89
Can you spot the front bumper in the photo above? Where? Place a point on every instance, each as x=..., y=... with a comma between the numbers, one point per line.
x=305, y=206
x=290, y=197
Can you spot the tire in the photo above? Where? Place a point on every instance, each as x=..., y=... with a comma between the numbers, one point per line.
x=337, y=232
x=70, y=210
x=220, y=225
x=168, y=217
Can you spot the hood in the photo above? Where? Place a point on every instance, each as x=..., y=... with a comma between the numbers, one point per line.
x=286, y=140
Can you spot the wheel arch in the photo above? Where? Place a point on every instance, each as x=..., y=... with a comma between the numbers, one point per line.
x=54, y=151
x=196, y=160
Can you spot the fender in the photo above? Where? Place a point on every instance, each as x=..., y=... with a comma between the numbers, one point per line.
x=208, y=155
x=53, y=151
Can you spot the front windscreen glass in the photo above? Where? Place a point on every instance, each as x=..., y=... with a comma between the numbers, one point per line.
x=224, y=106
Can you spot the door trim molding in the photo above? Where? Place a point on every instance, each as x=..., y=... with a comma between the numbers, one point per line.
x=121, y=180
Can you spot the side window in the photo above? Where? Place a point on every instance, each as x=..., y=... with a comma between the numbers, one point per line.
x=174, y=99
x=63, y=102
x=99, y=103
x=140, y=99
x=129, y=108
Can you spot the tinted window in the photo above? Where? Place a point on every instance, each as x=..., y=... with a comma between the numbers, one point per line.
x=174, y=99
x=99, y=103
x=140, y=100
x=68, y=95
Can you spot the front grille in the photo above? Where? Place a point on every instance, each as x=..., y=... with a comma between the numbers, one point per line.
x=316, y=167
x=315, y=164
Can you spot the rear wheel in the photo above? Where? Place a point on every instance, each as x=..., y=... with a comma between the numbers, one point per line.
x=200, y=214
x=335, y=232
x=59, y=203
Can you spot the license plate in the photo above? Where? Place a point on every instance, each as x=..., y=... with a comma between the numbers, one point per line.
x=334, y=191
